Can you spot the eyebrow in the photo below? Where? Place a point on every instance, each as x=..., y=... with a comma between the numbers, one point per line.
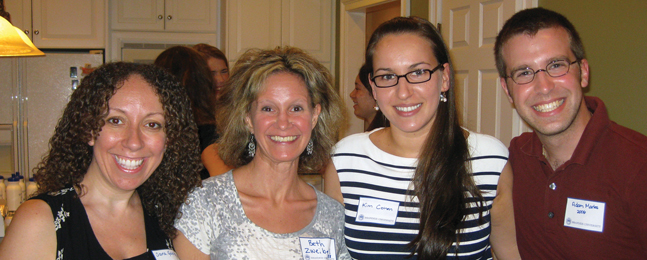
x=147, y=115
x=525, y=66
x=412, y=66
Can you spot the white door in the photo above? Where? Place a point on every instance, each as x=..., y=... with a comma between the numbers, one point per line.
x=68, y=23
x=144, y=15
x=469, y=28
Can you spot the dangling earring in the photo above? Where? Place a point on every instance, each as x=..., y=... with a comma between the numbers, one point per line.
x=251, y=147
x=376, y=107
x=442, y=97
x=310, y=147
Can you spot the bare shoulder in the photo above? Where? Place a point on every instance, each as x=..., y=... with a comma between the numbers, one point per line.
x=31, y=227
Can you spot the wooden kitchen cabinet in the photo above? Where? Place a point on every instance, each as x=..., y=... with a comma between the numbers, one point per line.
x=307, y=24
x=61, y=24
x=164, y=15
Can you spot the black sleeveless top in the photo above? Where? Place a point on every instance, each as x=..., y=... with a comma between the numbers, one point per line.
x=74, y=235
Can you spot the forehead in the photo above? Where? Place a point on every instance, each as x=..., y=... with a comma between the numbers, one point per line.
x=538, y=49
x=284, y=85
x=135, y=89
x=402, y=50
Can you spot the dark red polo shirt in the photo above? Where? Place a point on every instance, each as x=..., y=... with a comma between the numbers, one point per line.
x=609, y=166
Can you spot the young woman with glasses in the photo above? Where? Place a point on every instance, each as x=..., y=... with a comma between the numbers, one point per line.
x=423, y=186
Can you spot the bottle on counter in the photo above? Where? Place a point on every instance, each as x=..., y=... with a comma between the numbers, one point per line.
x=13, y=194
x=31, y=188
x=3, y=189
x=23, y=187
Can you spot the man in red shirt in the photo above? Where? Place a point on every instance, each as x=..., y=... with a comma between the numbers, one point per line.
x=580, y=179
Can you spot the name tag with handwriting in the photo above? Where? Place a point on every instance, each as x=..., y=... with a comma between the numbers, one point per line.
x=314, y=248
x=377, y=211
x=165, y=254
x=584, y=214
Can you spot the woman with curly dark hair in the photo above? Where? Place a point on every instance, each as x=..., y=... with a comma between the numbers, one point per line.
x=122, y=160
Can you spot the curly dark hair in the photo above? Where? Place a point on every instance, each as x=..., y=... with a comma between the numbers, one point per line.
x=242, y=89
x=70, y=155
x=192, y=70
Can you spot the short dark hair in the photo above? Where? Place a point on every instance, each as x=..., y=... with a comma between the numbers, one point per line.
x=529, y=22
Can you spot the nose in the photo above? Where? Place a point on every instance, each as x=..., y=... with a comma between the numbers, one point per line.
x=353, y=94
x=543, y=82
x=283, y=120
x=219, y=78
x=404, y=89
x=133, y=138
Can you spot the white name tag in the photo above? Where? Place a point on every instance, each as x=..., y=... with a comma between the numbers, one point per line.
x=165, y=254
x=584, y=214
x=377, y=211
x=314, y=248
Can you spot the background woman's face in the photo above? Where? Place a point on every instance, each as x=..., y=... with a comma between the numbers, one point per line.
x=219, y=71
x=364, y=102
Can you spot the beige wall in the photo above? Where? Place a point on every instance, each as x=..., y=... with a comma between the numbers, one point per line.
x=615, y=42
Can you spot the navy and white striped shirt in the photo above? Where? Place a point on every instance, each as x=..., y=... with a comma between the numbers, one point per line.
x=365, y=171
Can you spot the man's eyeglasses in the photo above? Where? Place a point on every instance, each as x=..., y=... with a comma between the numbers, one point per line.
x=413, y=77
x=554, y=69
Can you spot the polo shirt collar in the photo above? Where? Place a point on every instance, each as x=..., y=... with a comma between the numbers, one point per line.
x=595, y=128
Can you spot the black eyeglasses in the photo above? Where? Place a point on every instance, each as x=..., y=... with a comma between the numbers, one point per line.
x=413, y=77
x=554, y=69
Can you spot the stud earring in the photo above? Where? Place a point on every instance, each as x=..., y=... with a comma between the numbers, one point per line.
x=251, y=147
x=310, y=147
x=376, y=107
x=442, y=97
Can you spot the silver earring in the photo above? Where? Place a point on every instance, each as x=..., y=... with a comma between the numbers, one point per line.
x=251, y=147
x=376, y=107
x=442, y=97
x=309, y=147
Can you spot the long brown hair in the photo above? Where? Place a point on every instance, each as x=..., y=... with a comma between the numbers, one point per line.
x=442, y=181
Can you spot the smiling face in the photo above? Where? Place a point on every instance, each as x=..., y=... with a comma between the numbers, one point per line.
x=410, y=108
x=131, y=144
x=219, y=71
x=281, y=118
x=364, y=102
x=549, y=105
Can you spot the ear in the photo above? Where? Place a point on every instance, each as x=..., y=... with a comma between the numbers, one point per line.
x=91, y=142
x=445, y=84
x=504, y=85
x=248, y=123
x=315, y=115
x=584, y=73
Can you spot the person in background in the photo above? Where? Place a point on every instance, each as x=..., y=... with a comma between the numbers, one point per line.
x=365, y=106
x=423, y=187
x=192, y=71
x=279, y=115
x=217, y=62
x=120, y=164
x=580, y=178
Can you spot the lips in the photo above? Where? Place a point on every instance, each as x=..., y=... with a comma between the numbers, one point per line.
x=549, y=106
x=129, y=164
x=408, y=108
x=277, y=138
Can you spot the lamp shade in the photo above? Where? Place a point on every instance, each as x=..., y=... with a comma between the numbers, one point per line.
x=14, y=43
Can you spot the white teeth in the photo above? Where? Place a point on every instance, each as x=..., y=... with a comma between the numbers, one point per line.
x=283, y=138
x=407, y=109
x=549, y=107
x=129, y=164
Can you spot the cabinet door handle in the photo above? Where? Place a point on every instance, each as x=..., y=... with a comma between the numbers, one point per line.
x=27, y=32
x=169, y=17
x=160, y=17
x=36, y=32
